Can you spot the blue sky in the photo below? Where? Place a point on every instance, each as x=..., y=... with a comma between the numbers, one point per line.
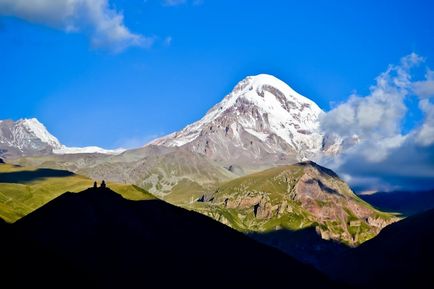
x=92, y=90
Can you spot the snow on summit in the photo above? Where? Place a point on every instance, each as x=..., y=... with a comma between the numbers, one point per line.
x=27, y=137
x=262, y=109
x=40, y=131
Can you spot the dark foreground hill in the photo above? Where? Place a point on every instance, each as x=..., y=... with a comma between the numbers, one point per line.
x=97, y=239
x=401, y=256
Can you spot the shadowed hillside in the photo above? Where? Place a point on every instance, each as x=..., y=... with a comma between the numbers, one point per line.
x=304, y=245
x=406, y=203
x=96, y=238
x=401, y=256
x=23, y=177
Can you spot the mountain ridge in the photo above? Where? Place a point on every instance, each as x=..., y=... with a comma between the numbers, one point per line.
x=96, y=238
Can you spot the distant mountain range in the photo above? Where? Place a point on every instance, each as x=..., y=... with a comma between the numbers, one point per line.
x=232, y=165
x=261, y=123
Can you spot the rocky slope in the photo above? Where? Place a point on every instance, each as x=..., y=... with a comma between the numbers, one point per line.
x=295, y=197
x=160, y=170
x=261, y=123
x=162, y=173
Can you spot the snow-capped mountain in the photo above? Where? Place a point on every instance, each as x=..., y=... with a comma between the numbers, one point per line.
x=26, y=137
x=261, y=120
x=29, y=137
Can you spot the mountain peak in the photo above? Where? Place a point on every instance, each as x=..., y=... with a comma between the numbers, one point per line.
x=263, y=83
x=262, y=118
x=25, y=137
x=34, y=126
x=317, y=167
x=29, y=137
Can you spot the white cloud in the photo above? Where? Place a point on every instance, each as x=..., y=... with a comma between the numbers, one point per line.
x=377, y=115
x=425, y=135
x=104, y=25
x=383, y=157
x=425, y=88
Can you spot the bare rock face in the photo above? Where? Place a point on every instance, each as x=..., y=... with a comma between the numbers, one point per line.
x=265, y=210
x=249, y=201
x=328, y=198
x=261, y=123
x=377, y=222
x=296, y=197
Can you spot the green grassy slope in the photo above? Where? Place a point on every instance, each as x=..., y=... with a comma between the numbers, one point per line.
x=24, y=189
x=294, y=197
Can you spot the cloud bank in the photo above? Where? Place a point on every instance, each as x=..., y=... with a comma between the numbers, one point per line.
x=104, y=25
x=374, y=153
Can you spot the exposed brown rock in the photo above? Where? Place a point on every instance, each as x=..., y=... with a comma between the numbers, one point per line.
x=304, y=195
x=265, y=210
